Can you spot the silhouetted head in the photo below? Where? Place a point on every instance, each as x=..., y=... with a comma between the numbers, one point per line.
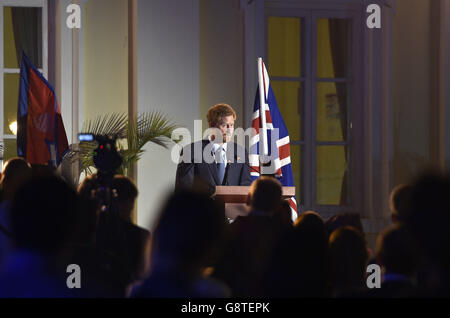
x=310, y=221
x=190, y=225
x=344, y=219
x=311, y=234
x=429, y=221
x=265, y=195
x=127, y=193
x=15, y=172
x=349, y=257
x=400, y=202
x=396, y=250
x=43, y=210
x=310, y=253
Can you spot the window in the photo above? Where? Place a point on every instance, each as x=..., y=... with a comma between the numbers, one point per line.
x=23, y=28
x=310, y=59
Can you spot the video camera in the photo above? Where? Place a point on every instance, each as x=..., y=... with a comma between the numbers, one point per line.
x=110, y=234
x=107, y=158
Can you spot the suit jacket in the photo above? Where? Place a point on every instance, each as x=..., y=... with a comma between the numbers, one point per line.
x=197, y=165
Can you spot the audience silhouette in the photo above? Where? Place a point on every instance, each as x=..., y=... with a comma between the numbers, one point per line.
x=16, y=171
x=114, y=265
x=251, y=240
x=348, y=260
x=429, y=222
x=45, y=225
x=399, y=202
x=42, y=212
x=299, y=267
x=397, y=255
x=190, y=226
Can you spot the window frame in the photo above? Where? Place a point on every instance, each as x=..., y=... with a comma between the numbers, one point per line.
x=20, y=3
x=310, y=15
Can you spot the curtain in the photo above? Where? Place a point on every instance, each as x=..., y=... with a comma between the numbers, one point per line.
x=339, y=40
x=27, y=26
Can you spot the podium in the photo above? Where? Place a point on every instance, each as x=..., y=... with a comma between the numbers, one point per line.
x=235, y=198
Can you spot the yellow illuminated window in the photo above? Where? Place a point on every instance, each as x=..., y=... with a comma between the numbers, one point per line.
x=312, y=88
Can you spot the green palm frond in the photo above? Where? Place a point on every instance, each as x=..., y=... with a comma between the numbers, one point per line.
x=86, y=151
x=149, y=127
x=154, y=127
x=104, y=125
x=107, y=125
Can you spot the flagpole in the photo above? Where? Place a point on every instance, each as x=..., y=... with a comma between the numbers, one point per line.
x=262, y=106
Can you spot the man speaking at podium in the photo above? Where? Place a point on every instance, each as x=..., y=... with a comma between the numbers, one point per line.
x=216, y=160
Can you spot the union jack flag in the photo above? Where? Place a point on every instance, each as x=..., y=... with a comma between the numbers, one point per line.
x=265, y=149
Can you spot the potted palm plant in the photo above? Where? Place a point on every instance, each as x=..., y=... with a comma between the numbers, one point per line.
x=132, y=135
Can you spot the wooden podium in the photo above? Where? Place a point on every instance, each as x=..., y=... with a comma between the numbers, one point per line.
x=235, y=198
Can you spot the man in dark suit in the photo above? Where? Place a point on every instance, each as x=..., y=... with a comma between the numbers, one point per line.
x=216, y=160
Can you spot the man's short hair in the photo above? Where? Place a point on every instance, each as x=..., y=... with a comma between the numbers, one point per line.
x=396, y=250
x=126, y=189
x=400, y=201
x=265, y=194
x=219, y=111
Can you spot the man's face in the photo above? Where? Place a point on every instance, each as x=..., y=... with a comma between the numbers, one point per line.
x=226, y=126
